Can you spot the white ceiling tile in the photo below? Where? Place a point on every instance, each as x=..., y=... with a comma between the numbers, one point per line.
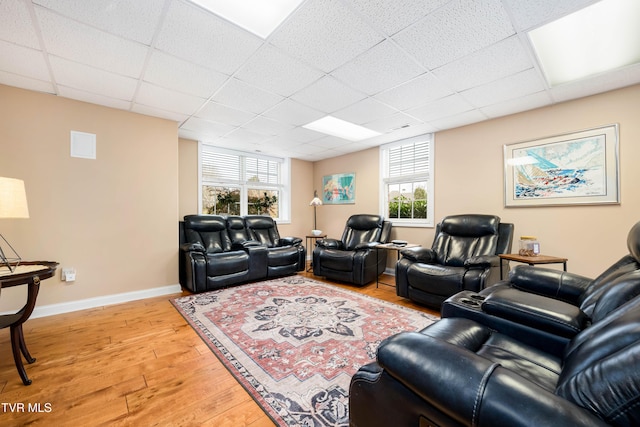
x=16, y=25
x=329, y=142
x=517, y=85
x=277, y=72
x=165, y=99
x=455, y=30
x=23, y=60
x=207, y=128
x=242, y=96
x=325, y=34
x=528, y=14
x=173, y=73
x=300, y=134
x=328, y=95
x=492, y=63
x=93, y=98
x=392, y=16
x=191, y=33
x=292, y=112
x=221, y=113
x=243, y=136
x=158, y=112
x=381, y=67
x=365, y=111
x=517, y=105
x=80, y=43
x=88, y=79
x=135, y=20
x=415, y=92
x=266, y=126
x=449, y=106
x=23, y=82
x=458, y=120
x=390, y=123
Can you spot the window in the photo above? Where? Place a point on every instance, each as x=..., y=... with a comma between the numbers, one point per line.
x=236, y=183
x=407, y=184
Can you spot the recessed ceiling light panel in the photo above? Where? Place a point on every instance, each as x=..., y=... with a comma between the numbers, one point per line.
x=342, y=129
x=261, y=17
x=601, y=37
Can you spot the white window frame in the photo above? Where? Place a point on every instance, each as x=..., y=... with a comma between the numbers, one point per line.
x=283, y=188
x=426, y=175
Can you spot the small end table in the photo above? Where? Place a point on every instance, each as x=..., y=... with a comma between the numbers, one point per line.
x=311, y=239
x=533, y=260
x=30, y=274
x=391, y=247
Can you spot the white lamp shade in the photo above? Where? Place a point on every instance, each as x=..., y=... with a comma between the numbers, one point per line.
x=315, y=202
x=13, y=198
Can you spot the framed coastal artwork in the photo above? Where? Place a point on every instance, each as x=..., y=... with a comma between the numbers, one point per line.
x=571, y=169
x=339, y=188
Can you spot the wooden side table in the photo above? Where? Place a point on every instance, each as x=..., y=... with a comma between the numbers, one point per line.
x=533, y=260
x=391, y=247
x=30, y=274
x=311, y=240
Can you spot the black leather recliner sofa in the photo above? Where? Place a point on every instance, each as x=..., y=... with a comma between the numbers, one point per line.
x=463, y=256
x=218, y=251
x=482, y=369
x=353, y=259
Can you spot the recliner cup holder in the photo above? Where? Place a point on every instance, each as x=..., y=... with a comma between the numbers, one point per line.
x=469, y=301
x=477, y=297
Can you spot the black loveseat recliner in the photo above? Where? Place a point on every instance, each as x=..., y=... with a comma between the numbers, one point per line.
x=353, y=259
x=457, y=372
x=523, y=359
x=552, y=306
x=463, y=256
x=218, y=251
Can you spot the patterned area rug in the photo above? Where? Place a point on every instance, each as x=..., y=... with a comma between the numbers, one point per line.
x=294, y=343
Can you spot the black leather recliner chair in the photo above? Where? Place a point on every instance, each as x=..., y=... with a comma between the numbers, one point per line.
x=285, y=255
x=463, y=256
x=352, y=259
x=552, y=306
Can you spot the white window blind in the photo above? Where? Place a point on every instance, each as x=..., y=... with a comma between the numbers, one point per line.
x=408, y=160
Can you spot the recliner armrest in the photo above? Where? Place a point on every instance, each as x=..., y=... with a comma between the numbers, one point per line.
x=244, y=245
x=483, y=261
x=419, y=254
x=537, y=311
x=329, y=243
x=366, y=245
x=553, y=283
x=290, y=241
x=192, y=247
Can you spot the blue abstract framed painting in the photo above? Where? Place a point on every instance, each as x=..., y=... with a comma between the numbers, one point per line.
x=575, y=168
x=339, y=188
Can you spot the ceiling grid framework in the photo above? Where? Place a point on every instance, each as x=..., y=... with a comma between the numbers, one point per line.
x=399, y=67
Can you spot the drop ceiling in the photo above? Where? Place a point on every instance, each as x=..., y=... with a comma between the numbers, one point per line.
x=399, y=67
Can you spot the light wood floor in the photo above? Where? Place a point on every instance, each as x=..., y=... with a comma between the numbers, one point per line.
x=132, y=364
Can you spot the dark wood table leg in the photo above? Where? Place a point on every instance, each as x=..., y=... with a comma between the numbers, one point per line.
x=16, y=345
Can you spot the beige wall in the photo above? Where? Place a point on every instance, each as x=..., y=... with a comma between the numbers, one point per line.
x=469, y=178
x=114, y=218
x=187, y=177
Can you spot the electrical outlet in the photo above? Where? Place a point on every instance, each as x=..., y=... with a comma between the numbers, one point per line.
x=68, y=274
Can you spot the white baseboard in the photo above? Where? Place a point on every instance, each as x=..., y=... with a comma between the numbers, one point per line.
x=390, y=271
x=67, y=307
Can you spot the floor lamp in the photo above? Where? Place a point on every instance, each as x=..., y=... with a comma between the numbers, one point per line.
x=13, y=204
x=315, y=203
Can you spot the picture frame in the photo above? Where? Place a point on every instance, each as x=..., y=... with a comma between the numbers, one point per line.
x=577, y=168
x=339, y=189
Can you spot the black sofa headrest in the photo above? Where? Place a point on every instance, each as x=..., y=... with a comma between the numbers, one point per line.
x=364, y=222
x=204, y=223
x=471, y=225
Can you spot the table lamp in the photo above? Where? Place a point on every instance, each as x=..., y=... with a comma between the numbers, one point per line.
x=13, y=204
x=315, y=203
